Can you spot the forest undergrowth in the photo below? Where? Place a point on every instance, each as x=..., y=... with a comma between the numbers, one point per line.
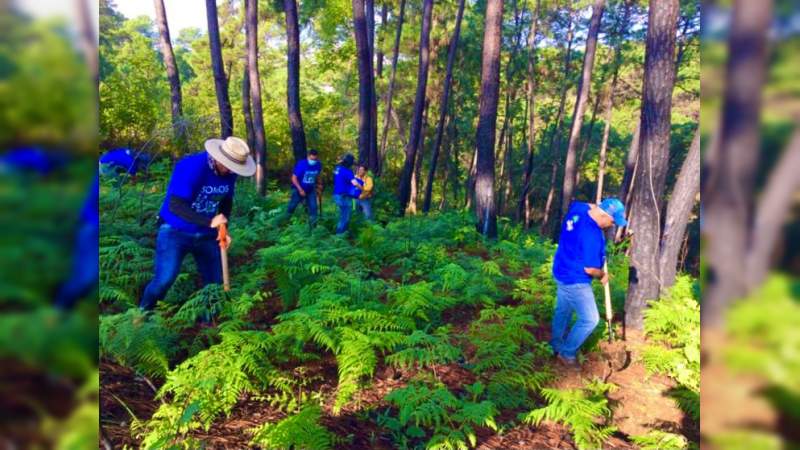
x=407, y=333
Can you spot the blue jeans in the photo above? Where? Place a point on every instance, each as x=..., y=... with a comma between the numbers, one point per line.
x=310, y=201
x=580, y=299
x=171, y=247
x=85, y=265
x=366, y=207
x=345, y=208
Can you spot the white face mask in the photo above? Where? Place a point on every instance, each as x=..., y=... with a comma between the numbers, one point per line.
x=312, y=162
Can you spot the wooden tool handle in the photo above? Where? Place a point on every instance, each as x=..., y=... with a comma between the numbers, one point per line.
x=222, y=237
x=609, y=313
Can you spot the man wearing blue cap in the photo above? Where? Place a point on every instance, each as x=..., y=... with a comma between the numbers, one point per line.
x=579, y=258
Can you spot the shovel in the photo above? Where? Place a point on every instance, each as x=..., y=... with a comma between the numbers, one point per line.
x=222, y=237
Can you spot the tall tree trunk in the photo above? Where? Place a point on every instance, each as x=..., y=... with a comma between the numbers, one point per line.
x=727, y=186
x=551, y=193
x=372, y=154
x=659, y=77
x=220, y=80
x=630, y=163
x=681, y=203
x=293, y=80
x=251, y=32
x=247, y=109
x=379, y=56
x=524, y=197
x=589, y=132
x=390, y=90
x=365, y=85
x=570, y=166
x=415, y=175
x=469, y=189
x=172, y=72
x=485, y=207
x=448, y=79
x=419, y=106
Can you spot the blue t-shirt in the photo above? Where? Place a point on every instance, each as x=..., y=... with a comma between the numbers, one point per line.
x=307, y=174
x=121, y=157
x=355, y=191
x=581, y=244
x=90, y=213
x=342, y=180
x=194, y=181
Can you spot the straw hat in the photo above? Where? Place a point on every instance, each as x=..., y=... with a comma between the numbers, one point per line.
x=232, y=153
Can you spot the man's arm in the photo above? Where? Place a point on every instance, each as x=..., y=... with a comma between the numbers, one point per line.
x=597, y=273
x=296, y=184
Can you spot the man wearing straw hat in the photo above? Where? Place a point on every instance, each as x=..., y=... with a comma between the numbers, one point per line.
x=199, y=199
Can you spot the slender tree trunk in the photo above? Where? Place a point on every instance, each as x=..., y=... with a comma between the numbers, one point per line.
x=419, y=106
x=773, y=208
x=448, y=167
x=220, y=80
x=415, y=176
x=551, y=193
x=172, y=72
x=293, y=80
x=372, y=156
x=365, y=85
x=630, y=163
x=448, y=79
x=88, y=42
x=390, y=90
x=379, y=56
x=555, y=136
x=524, y=197
x=659, y=77
x=570, y=166
x=681, y=203
x=470, y=187
x=247, y=109
x=251, y=32
x=485, y=207
x=588, y=138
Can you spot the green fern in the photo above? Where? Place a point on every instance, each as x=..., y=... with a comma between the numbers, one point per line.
x=420, y=349
x=300, y=431
x=660, y=440
x=140, y=341
x=584, y=411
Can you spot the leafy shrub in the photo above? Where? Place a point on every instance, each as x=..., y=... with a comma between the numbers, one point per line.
x=142, y=342
x=452, y=420
x=660, y=440
x=673, y=325
x=301, y=431
x=584, y=411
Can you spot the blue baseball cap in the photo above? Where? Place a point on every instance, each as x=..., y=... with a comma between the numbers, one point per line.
x=615, y=209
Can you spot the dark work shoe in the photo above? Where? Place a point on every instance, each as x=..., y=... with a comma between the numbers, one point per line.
x=569, y=362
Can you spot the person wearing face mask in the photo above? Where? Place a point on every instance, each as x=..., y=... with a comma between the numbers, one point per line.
x=304, y=186
x=198, y=201
x=579, y=258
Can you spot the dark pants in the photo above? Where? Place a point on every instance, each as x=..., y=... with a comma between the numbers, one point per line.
x=345, y=205
x=171, y=247
x=310, y=201
x=84, y=273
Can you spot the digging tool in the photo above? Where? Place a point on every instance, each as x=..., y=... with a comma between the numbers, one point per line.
x=609, y=313
x=222, y=237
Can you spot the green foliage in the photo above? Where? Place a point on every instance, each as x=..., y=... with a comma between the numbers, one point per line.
x=673, y=325
x=301, y=430
x=584, y=411
x=139, y=341
x=660, y=440
x=452, y=420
